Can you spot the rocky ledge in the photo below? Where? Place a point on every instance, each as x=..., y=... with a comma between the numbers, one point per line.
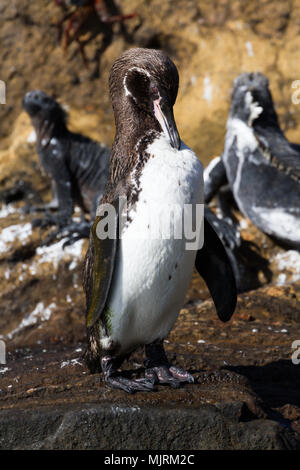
x=246, y=395
x=247, y=390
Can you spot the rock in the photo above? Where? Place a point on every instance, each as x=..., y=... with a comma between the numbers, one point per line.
x=211, y=44
x=246, y=395
x=137, y=428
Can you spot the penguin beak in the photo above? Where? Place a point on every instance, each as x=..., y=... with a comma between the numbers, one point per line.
x=164, y=114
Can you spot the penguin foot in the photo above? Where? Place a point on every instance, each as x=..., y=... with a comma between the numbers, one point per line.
x=129, y=386
x=181, y=374
x=162, y=375
x=158, y=369
x=168, y=375
x=115, y=380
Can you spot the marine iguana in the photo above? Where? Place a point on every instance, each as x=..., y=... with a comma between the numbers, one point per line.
x=77, y=165
x=258, y=165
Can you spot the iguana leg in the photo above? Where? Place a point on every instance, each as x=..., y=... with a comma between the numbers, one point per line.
x=73, y=231
x=227, y=231
x=226, y=203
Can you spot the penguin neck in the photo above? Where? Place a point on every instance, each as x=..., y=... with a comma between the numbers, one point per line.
x=134, y=126
x=133, y=123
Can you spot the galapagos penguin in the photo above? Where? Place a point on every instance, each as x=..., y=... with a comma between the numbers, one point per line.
x=258, y=165
x=78, y=166
x=135, y=284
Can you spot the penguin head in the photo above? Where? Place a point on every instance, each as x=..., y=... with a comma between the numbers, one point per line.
x=252, y=100
x=41, y=108
x=144, y=83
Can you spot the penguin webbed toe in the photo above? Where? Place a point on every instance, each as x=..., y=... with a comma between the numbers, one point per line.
x=129, y=385
x=160, y=371
x=116, y=380
x=168, y=375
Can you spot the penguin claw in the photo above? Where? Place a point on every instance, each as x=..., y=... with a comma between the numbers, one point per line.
x=181, y=374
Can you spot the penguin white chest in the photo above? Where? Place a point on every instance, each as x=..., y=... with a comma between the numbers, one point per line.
x=155, y=260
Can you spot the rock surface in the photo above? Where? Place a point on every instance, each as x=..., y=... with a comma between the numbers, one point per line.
x=211, y=42
x=246, y=395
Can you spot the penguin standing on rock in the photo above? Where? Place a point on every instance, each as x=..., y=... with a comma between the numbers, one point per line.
x=135, y=283
x=259, y=165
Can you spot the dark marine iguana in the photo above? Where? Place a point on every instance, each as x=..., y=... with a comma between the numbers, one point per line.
x=77, y=166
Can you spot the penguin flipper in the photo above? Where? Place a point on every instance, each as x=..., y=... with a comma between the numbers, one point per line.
x=98, y=270
x=212, y=263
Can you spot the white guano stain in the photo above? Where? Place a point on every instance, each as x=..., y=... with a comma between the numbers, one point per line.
x=207, y=92
x=249, y=48
x=39, y=314
x=9, y=234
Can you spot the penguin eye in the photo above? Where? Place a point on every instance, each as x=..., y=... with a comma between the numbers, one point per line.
x=154, y=92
